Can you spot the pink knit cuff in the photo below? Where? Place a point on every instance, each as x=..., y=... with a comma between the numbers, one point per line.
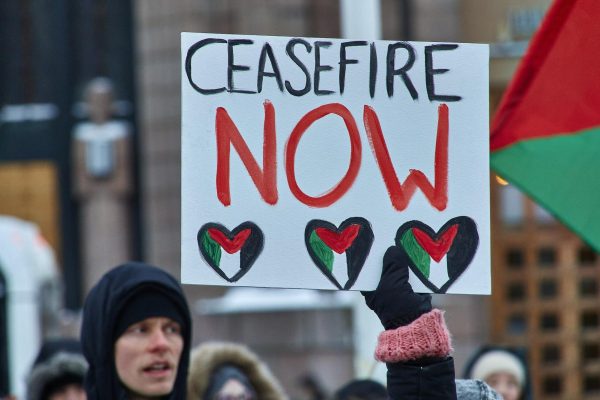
x=427, y=336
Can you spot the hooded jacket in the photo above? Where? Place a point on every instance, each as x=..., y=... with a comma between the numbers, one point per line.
x=101, y=308
x=211, y=355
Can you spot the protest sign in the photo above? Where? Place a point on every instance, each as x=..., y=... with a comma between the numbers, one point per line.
x=304, y=159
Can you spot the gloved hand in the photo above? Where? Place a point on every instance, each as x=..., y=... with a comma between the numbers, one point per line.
x=393, y=300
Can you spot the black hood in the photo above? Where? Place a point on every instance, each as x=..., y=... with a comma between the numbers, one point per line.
x=100, y=310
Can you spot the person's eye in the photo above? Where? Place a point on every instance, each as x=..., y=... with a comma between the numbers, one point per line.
x=173, y=328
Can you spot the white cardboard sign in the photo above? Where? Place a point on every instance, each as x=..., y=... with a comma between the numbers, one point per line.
x=304, y=159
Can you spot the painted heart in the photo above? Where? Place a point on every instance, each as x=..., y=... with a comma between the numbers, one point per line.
x=247, y=239
x=457, y=240
x=353, y=237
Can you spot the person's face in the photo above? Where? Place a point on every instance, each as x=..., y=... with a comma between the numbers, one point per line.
x=234, y=390
x=505, y=384
x=72, y=391
x=147, y=356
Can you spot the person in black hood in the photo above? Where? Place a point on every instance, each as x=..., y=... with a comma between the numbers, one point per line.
x=136, y=335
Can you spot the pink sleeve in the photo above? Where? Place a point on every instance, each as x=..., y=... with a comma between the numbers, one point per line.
x=427, y=336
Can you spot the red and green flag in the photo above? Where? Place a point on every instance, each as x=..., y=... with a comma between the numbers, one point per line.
x=545, y=136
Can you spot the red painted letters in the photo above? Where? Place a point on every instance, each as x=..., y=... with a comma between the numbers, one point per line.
x=265, y=180
x=227, y=133
x=401, y=193
x=355, y=155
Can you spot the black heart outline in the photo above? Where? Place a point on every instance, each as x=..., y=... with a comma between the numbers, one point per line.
x=356, y=254
x=248, y=253
x=458, y=257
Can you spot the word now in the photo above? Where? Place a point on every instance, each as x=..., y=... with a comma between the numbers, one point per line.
x=265, y=180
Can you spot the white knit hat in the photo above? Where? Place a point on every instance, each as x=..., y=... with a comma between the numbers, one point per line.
x=498, y=361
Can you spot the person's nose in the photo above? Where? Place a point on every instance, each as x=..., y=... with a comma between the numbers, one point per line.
x=158, y=341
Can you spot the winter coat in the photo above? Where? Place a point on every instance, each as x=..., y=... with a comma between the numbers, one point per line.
x=475, y=389
x=422, y=379
x=434, y=380
x=102, y=306
x=211, y=355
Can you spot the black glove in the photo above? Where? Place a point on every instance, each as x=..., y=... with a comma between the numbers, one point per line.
x=394, y=301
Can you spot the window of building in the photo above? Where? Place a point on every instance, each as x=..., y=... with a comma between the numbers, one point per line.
x=548, y=289
x=586, y=256
x=552, y=385
x=588, y=287
x=549, y=322
x=517, y=324
x=516, y=292
x=515, y=258
x=591, y=383
x=546, y=256
x=590, y=352
x=551, y=353
x=589, y=320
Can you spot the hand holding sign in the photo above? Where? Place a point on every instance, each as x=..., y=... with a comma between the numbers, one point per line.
x=394, y=301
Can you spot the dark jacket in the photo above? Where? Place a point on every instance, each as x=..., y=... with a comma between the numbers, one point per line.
x=101, y=308
x=211, y=355
x=434, y=380
x=422, y=380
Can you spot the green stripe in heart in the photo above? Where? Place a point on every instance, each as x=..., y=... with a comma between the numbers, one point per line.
x=321, y=250
x=416, y=253
x=212, y=248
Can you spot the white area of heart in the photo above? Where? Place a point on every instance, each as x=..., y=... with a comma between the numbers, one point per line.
x=438, y=272
x=230, y=263
x=340, y=268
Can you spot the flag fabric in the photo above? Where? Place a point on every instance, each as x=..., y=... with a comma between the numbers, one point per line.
x=545, y=136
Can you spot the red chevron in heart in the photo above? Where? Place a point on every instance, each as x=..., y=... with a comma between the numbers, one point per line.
x=230, y=245
x=436, y=248
x=338, y=242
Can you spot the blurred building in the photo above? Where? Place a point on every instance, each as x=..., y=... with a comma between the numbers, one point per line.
x=52, y=49
x=546, y=281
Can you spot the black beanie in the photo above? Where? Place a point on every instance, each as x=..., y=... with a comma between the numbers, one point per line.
x=147, y=303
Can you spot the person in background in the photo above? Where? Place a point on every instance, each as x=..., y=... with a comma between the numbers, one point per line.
x=311, y=387
x=57, y=372
x=503, y=369
x=416, y=343
x=136, y=335
x=230, y=371
x=361, y=389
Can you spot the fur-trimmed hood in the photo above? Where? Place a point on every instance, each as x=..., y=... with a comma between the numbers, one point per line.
x=58, y=367
x=208, y=356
